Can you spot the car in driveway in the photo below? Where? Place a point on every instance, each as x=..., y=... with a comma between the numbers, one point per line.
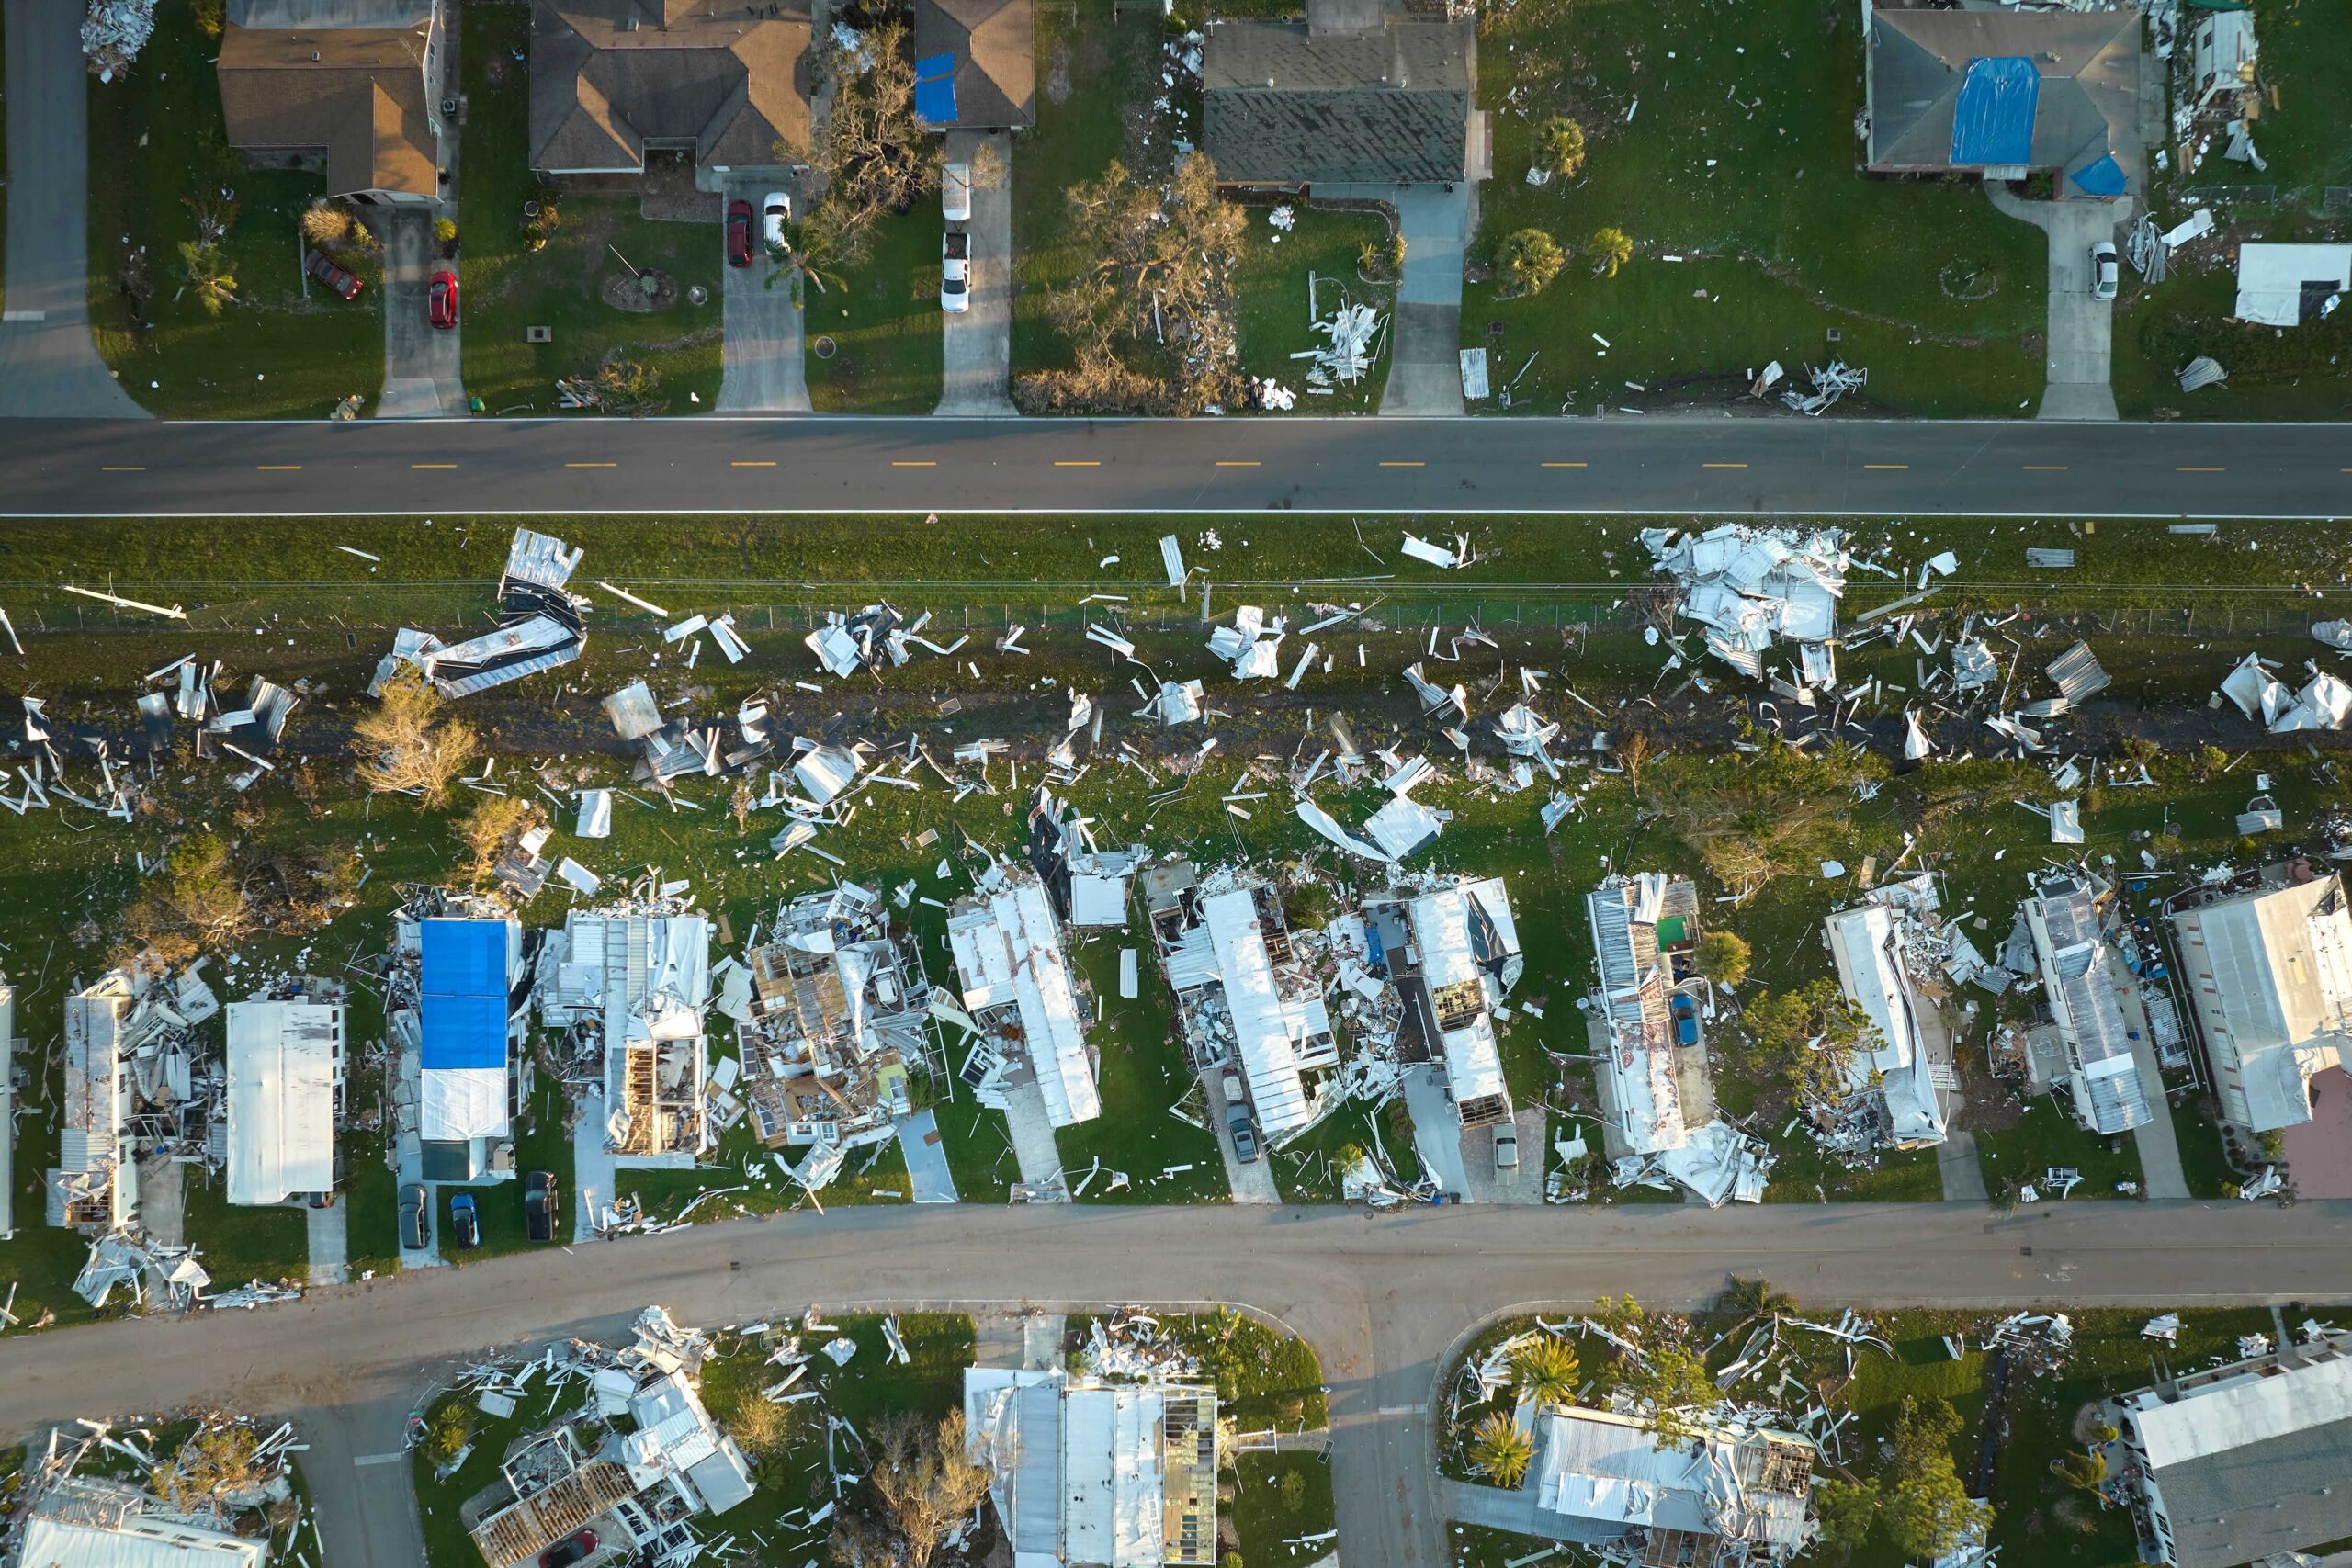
x=955, y=272
x=775, y=211
x=539, y=1205
x=465, y=1222
x=1237, y=1123
x=416, y=1225
x=441, y=299
x=572, y=1549
x=956, y=193
x=2105, y=275
x=1507, y=1146
x=333, y=277
x=739, y=234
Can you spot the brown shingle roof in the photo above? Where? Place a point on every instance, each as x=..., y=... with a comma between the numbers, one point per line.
x=607, y=76
x=358, y=93
x=994, y=46
x=1287, y=105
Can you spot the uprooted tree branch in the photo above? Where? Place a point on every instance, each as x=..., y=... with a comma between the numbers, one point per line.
x=1152, y=326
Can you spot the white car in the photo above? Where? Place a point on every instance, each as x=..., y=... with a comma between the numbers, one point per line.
x=776, y=212
x=955, y=272
x=2104, y=275
x=956, y=193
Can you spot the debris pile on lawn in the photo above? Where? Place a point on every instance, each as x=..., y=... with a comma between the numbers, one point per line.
x=1754, y=588
x=1130, y=1343
x=868, y=639
x=1026, y=1007
x=1830, y=382
x=1250, y=646
x=224, y=1497
x=1399, y=829
x=113, y=34
x=2322, y=703
x=1355, y=333
x=540, y=626
x=138, y=1083
x=1895, y=958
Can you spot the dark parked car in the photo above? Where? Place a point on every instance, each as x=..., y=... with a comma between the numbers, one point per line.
x=572, y=1549
x=333, y=277
x=417, y=1230
x=539, y=1205
x=441, y=299
x=1237, y=1122
x=465, y=1222
x=739, y=234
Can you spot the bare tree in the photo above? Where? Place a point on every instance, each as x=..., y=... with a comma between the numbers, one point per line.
x=405, y=745
x=925, y=1483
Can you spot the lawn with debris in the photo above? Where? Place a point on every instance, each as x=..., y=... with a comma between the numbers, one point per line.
x=1720, y=140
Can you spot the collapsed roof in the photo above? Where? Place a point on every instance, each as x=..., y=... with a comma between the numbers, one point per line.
x=540, y=626
x=1753, y=588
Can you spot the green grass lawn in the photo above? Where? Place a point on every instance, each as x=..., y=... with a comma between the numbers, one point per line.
x=885, y=322
x=2307, y=55
x=507, y=288
x=1141, y=1074
x=1278, y=1498
x=1089, y=71
x=2303, y=373
x=1307, y=1170
x=237, y=1244
x=1742, y=164
x=156, y=139
x=1272, y=297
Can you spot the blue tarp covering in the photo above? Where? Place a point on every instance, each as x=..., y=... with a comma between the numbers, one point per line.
x=2104, y=177
x=463, y=958
x=935, y=89
x=1992, y=121
x=463, y=1032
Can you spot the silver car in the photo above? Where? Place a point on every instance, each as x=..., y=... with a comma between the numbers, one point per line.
x=2104, y=272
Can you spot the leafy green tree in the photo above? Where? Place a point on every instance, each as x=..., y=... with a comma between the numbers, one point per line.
x=1560, y=147
x=1926, y=1509
x=208, y=273
x=1545, y=1370
x=1674, y=1379
x=1529, y=260
x=1808, y=1037
x=1723, y=957
x=1756, y=1298
x=2082, y=1469
x=1756, y=816
x=1499, y=1448
x=1610, y=250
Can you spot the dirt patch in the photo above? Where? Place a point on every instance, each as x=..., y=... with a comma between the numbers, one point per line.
x=667, y=193
x=645, y=293
x=1058, y=74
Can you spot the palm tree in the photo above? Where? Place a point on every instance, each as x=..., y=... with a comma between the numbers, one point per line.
x=1560, y=147
x=1499, y=1448
x=1611, y=250
x=1545, y=1370
x=208, y=273
x=1530, y=259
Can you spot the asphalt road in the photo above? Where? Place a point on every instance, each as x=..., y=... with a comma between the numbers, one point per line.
x=1771, y=466
x=1385, y=1300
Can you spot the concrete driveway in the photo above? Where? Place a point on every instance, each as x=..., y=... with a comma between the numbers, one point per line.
x=762, y=368
x=977, y=360
x=422, y=379
x=1425, y=335
x=1253, y=1182
x=2080, y=330
x=50, y=367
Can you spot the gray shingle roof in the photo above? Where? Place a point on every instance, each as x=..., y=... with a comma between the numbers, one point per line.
x=1919, y=57
x=1286, y=107
x=608, y=75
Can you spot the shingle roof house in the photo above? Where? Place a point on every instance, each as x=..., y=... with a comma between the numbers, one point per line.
x=612, y=79
x=1356, y=93
x=1999, y=93
x=990, y=51
x=354, y=79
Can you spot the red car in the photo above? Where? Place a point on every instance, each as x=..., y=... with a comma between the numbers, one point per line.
x=441, y=299
x=333, y=277
x=739, y=234
x=572, y=1549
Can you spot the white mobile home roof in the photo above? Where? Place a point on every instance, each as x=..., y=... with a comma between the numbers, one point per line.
x=1262, y=1027
x=1009, y=952
x=2281, y=962
x=2241, y=1411
x=281, y=1096
x=1474, y=1067
x=2272, y=279
x=1870, y=972
x=103, y=1524
x=1640, y=1062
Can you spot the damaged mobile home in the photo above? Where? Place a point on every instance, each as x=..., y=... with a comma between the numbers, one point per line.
x=454, y=1007
x=1092, y=1472
x=2267, y=961
x=540, y=626
x=1897, y=1077
x=284, y=1097
x=1029, y=1007
x=1644, y=1025
x=2085, y=980
x=1450, y=945
x=1730, y=1494
x=631, y=985
x=832, y=1013
x=134, y=1086
x=1248, y=999
x=1754, y=590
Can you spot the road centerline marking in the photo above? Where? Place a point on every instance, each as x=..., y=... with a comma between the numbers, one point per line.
x=1566, y=465
x=142, y=468
x=912, y=463
x=432, y=465
x=1077, y=463
x=1887, y=465
x=752, y=463
x=1236, y=463
x=591, y=465
x=2187, y=469
x=2045, y=468
x=1401, y=463
x=278, y=468
x=1722, y=465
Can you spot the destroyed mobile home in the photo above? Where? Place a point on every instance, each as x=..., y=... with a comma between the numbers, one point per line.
x=540, y=626
x=630, y=986
x=190, y=1512
x=1026, y=1009
x=1892, y=952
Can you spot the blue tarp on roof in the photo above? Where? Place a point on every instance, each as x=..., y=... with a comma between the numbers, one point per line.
x=2104, y=177
x=462, y=1032
x=1992, y=121
x=935, y=89
x=463, y=958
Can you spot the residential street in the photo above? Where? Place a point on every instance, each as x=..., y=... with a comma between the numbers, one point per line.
x=1384, y=1299
x=1679, y=467
x=49, y=366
